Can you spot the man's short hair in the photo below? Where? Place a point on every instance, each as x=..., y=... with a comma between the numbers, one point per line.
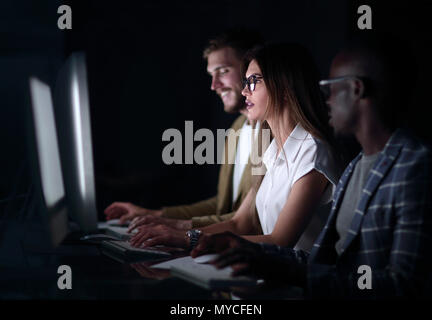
x=240, y=39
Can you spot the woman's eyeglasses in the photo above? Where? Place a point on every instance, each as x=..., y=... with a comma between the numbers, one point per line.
x=251, y=82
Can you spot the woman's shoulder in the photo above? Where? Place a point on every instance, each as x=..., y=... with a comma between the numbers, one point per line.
x=310, y=146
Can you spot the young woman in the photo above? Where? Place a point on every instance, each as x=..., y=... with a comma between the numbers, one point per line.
x=292, y=199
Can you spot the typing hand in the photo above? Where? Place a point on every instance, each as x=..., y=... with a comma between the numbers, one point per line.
x=151, y=219
x=127, y=211
x=153, y=235
x=218, y=243
x=253, y=261
x=245, y=260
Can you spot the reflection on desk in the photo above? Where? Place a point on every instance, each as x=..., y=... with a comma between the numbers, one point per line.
x=144, y=269
x=94, y=276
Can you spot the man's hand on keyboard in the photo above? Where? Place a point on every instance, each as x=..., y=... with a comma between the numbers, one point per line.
x=158, y=234
x=249, y=258
x=154, y=220
x=219, y=242
x=127, y=211
x=253, y=261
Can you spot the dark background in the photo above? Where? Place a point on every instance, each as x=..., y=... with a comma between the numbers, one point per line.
x=146, y=74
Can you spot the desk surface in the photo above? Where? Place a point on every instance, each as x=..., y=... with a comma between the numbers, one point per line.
x=94, y=276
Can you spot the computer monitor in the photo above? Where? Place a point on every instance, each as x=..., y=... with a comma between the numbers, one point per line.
x=72, y=112
x=46, y=167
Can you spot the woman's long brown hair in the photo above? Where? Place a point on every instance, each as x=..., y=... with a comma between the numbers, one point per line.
x=291, y=79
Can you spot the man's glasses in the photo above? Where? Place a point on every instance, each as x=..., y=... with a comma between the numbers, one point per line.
x=326, y=85
x=251, y=82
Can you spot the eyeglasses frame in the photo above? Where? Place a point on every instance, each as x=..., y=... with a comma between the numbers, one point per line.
x=246, y=82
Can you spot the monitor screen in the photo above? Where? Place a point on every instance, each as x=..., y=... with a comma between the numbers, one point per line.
x=47, y=172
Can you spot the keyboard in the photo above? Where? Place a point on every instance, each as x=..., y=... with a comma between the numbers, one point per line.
x=126, y=251
x=120, y=232
x=208, y=276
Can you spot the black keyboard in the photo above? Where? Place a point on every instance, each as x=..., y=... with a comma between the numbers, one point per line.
x=124, y=249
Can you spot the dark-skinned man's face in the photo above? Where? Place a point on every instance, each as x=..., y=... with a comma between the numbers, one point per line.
x=342, y=101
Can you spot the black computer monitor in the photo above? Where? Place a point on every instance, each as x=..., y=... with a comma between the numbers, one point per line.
x=46, y=167
x=72, y=112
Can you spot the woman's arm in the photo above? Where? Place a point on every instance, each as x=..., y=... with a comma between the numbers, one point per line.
x=242, y=222
x=293, y=219
x=302, y=201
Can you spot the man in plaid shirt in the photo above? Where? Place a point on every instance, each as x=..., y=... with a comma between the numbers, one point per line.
x=377, y=242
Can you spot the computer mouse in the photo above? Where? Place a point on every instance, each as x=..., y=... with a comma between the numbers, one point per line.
x=206, y=258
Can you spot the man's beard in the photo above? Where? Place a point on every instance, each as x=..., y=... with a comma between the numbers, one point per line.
x=238, y=106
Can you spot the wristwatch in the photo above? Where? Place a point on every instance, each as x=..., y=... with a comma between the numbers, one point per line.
x=193, y=236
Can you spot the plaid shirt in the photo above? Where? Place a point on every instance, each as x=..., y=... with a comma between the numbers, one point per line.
x=391, y=231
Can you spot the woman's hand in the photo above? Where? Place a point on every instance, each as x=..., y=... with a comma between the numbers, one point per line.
x=158, y=234
x=151, y=219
